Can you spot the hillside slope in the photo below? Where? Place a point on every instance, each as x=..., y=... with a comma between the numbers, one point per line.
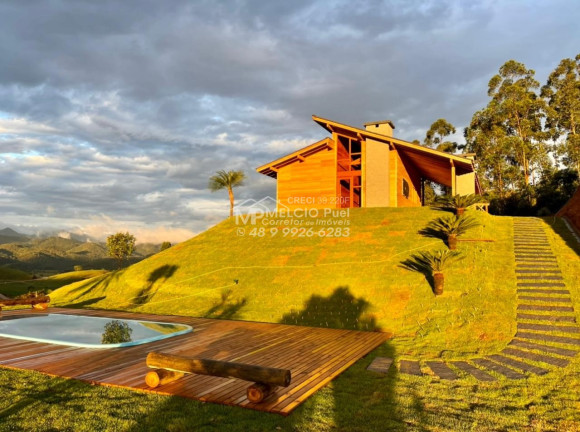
x=301, y=280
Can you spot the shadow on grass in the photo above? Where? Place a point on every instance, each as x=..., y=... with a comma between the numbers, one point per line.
x=340, y=310
x=560, y=228
x=226, y=307
x=415, y=265
x=159, y=274
x=433, y=233
x=85, y=303
x=358, y=396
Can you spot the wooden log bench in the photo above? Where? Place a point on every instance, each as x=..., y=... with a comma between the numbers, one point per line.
x=169, y=367
x=39, y=302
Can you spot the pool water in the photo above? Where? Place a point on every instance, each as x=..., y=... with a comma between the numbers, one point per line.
x=87, y=331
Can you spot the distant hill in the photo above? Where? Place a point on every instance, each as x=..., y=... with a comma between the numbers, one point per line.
x=58, y=254
x=8, y=235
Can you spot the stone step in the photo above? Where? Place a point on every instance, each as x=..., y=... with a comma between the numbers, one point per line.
x=410, y=367
x=526, y=367
x=548, y=338
x=546, y=348
x=549, y=328
x=520, y=277
x=478, y=374
x=553, y=318
x=536, y=357
x=496, y=367
x=380, y=364
x=546, y=308
x=442, y=370
x=536, y=260
x=541, y=284
x=543, y=291
x=523, y=272
x=533, y=255
x=546, y=299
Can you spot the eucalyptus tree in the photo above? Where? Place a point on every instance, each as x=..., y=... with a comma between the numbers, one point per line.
x=227, y=180
x=435, y=136
x=517, y=111
x=486, y=137
x=562, y=92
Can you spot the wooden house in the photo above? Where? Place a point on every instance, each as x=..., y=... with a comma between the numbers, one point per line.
x=365, y=168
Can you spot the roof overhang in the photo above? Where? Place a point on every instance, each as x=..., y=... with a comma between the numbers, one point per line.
x=271, y=168
x=433, y=164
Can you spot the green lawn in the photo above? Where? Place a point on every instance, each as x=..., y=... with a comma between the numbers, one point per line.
x=14, y=287
x=303, y=280
x=475, y=315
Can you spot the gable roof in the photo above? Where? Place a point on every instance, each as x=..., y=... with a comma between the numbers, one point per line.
x=271, y=168
x=433, y=164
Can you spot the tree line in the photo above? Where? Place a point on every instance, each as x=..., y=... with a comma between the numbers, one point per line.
x=526, y=140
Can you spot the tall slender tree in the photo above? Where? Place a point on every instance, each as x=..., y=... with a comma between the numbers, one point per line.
x=486, y=138
x=435, y=136
x=518, y=112
x=227, y=180
x=562, y=92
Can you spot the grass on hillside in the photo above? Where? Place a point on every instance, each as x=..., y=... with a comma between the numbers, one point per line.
x=15, y=288
x=358, y=400
x=344, y=282
x=10, y=274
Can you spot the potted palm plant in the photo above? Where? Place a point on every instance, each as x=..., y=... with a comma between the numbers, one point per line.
x=433, y=263
x=457, y=203
x=451, y=227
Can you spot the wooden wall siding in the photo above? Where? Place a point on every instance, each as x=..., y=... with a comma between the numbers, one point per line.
x=376, y=174
x=406, y=170
x=465, y=184
x=313, y=179
x=315, y=356
x=393, y=177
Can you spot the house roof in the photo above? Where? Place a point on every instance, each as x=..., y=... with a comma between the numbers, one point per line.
x=271, y=168
x=432, y=164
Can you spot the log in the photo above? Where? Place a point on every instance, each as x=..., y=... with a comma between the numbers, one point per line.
x=26, y=301
x=158, y=377
x=258, y=374
x=257, y=392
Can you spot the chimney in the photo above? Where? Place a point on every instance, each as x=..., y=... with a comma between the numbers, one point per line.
x=384, y=127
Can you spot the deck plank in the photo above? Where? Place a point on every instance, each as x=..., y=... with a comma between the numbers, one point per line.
x=315, y=356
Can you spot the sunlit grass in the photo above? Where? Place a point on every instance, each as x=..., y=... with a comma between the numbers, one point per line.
x=475, y=314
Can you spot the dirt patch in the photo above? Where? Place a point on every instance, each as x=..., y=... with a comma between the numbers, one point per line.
x=280, y=260
x=397, y=233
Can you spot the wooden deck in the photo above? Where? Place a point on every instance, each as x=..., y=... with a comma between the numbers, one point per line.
x=314, y=355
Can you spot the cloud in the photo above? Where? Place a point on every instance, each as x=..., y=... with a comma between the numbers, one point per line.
x=126, y=108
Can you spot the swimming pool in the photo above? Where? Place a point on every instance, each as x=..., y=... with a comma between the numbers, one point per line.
x=87, y=331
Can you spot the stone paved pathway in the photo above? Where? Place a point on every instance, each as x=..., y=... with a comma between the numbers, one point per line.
x=546, y=338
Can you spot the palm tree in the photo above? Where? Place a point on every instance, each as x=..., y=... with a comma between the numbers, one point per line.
x=432, y=263
x=457, y=203
x=227, y=180
x=452, y=227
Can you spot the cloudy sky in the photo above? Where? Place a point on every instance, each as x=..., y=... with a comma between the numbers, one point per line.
x=113, y=114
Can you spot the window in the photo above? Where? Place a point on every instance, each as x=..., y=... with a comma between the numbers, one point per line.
x=406, y=189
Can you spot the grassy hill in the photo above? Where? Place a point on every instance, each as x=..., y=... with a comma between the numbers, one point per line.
x=297, y=280
x=346, y=282
x=10, y=274
x=11, y=286
x=44, y=256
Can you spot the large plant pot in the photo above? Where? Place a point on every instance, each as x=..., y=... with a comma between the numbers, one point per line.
x=439, y=282
x=452, y=241
x=459, y=211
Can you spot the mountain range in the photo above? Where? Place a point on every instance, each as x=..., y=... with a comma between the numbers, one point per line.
x=55, y=254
